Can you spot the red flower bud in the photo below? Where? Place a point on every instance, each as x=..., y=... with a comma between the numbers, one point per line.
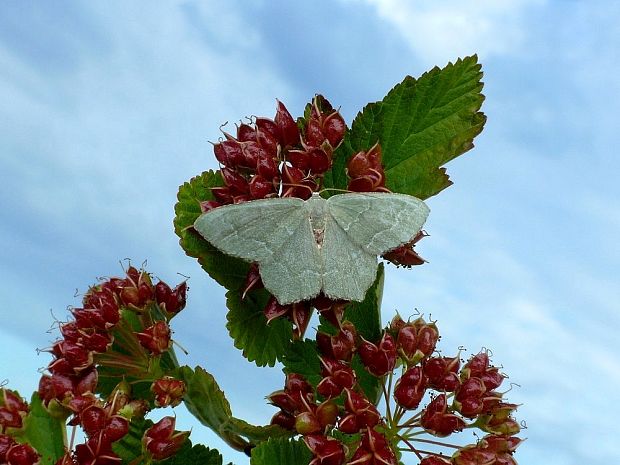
x=379, y=358
x=416, y=340
x=155, y=338
x=22, y=454
x=283, y=419
x=229, y=153
x=161, y=441
x=6, y=442
x=261, y=187
x=326, y=451
x=441, y=373
x=168, y=391
x=93, y=420
x=435, y=460
x=410, y=388
x=436, y=419
x=288, y=130
x=307, y=423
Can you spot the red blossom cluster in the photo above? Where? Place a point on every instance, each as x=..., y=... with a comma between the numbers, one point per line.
x=460, y=398
x=278, y=157
x=87, y=343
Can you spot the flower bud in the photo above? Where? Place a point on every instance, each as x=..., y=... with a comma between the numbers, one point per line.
x=380, y=358
x=307, y=423
x=22, y=454
x=155, y=338
x=168, y=391
x=441, y=373
x=326, y=451
x=410, y=388
x=435, y=460
x=287, y=128
x=161, y=441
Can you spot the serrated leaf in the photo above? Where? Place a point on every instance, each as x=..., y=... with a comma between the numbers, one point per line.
x=260, y=342
x=204, y=398
x=302, y=357
x=281, y=452
x=195, y=455
x=206, y=401
x=43, y=432
x=228, y=271
x=421, y=125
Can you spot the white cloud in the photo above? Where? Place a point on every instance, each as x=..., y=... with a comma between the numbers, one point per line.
x=439, y=31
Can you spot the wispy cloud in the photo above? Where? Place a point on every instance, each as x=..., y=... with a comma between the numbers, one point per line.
x=439, y=31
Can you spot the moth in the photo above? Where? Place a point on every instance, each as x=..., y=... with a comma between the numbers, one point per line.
x=305, y=247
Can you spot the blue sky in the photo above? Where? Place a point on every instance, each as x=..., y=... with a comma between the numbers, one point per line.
x=107, y=107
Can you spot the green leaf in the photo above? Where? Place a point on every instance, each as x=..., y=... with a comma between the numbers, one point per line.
x=336, y=178
x=195, y=455
x=302, y=357
x=254, y=434
x=281, y=452
x=206, y=401
x=260, y=342
x=228, y=271
x=366, y=315
x=204, y=398
x=421, y=125
x=43, y=432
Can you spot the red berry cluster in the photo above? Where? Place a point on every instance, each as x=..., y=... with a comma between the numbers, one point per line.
x=98, y=336
x=278, y=157
x=314, y=413
x=459, y=398
x=470, y=389
x=91, y=333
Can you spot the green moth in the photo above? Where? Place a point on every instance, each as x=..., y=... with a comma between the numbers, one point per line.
x=305, y=247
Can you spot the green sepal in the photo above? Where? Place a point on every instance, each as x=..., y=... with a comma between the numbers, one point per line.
x=281, y=452
x=42, y=431
x=260, y=342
